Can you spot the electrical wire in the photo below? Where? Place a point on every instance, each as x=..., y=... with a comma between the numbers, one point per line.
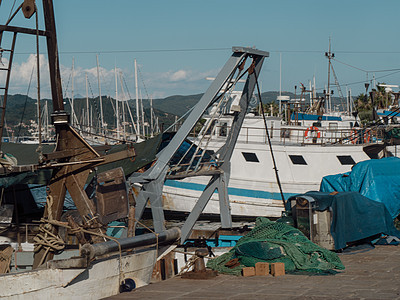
x=211, y=49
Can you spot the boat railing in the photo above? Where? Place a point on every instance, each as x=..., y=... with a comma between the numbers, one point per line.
x=306, y=136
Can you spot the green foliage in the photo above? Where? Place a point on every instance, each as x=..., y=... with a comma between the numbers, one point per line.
x=363, y=103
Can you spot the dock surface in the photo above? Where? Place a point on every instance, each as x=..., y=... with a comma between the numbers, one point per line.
x=372, y=273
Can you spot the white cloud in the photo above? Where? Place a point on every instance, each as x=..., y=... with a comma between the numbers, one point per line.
x=179, y=75
x=155, y=85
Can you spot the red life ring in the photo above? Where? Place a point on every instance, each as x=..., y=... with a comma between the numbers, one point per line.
x=310, y=130
x=367, y=136
x=354, y=136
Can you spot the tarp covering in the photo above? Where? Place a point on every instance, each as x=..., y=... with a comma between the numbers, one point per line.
x=354, y=217
x=273, y=242
x=26, y=154
x=377, y=179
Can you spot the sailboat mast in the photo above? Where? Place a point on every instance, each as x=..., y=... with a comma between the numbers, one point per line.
x=123, y=102
x=72, y=96
x=280, y=84
x=142, y=112
x=101, y=102
x=314, y=89
x=137, y=100
x=116, y=101
x=46, y=128
x=151, y=117
x=87, y=104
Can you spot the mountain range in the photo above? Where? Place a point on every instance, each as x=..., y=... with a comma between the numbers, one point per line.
x=22, y=109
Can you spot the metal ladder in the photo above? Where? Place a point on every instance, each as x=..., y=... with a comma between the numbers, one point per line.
x=4, y=89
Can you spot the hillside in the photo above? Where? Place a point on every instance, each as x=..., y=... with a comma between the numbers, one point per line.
x=22, y=109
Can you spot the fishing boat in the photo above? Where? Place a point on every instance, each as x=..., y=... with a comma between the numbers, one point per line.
x=274, y=157
x=254, y=188
x=67, y=255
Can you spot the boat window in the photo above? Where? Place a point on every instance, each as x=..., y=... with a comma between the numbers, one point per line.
x=223, y=130
x=346, y=160
x=252, y=157
x=297, y=159
x=333, y=126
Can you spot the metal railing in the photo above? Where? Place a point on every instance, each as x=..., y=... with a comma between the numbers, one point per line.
x=305, y=136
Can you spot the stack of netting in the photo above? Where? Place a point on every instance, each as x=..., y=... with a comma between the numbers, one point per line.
x=277, y=242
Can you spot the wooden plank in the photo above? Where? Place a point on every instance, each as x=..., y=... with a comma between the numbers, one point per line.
x=5, y=259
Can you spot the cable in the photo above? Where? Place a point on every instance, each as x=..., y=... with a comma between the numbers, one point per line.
x=26, y=100
x=269, y=142
x=139, y=51
x=366, y=71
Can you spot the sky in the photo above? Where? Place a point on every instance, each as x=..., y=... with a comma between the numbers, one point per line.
x=178, y=43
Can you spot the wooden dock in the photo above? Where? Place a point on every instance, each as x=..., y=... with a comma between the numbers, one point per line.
x=370, y=274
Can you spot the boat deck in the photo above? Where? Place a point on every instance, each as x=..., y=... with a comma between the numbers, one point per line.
x=369, y=274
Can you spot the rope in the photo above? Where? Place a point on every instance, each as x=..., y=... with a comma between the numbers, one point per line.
x=46, y=238
x=190, y=263
x=80, y=229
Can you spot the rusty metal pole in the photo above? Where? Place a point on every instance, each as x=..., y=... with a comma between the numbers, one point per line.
x=57, y=188
x=52, y=51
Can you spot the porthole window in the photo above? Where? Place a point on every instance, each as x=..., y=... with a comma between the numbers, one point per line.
x=251, y=157
x=346, y=160
x=297, y=159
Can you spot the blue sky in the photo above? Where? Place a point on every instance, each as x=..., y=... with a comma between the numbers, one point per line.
x=178, y=43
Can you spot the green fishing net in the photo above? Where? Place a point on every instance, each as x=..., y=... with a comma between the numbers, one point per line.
x=393, y=133
x=277, y=242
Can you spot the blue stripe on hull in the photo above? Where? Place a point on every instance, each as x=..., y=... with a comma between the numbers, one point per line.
x=231, y=191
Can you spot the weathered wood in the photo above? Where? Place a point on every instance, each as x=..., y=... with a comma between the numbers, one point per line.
x=131, y=222
x=5, y=259
x=75, y=228
x=52, y=52
x=21, y=30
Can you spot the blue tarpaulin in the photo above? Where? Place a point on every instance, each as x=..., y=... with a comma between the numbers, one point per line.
x=376, y=179
x=354, y=217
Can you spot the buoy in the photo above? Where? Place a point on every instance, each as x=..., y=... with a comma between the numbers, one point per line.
x=127, y=285
x=312, y=132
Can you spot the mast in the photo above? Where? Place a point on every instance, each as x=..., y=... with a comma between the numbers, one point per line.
x=314, y=89
x=137, y=100
x=52, y=51
x=72, y=96
x=87, y=104
x=101, y=102
x=142, y=112
x=38, y=85
x=329, y=55
x=123, y=102
x=116, y=101
x=151, y=117
x=280, y=83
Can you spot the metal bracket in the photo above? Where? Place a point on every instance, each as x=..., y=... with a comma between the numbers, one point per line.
x=153, y=179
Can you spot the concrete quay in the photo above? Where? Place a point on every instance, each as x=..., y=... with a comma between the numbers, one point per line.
x=369, y=274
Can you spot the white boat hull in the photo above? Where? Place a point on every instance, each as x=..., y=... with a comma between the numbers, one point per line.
x=253, y=189
x=101, y=279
